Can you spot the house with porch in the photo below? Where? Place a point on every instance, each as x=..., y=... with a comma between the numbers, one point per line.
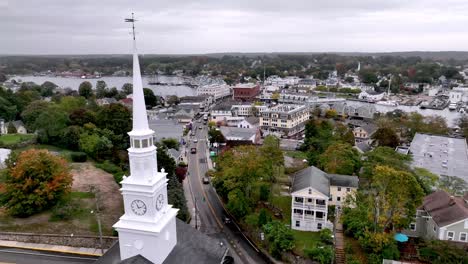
x=312, y=192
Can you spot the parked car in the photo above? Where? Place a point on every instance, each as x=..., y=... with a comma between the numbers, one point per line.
x=200, y=127
x=206, y=180
x=193, y=150
x=195, y=140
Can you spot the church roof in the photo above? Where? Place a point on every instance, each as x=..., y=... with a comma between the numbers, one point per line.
x=192, y=247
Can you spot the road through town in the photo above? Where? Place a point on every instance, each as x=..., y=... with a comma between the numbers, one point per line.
x=211, y=213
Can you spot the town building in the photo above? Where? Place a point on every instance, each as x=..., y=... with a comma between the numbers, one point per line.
x=312, y=192
x=371, y=96
x=284, y=119
x=245, y=92
x=362, y=130
x=19, y=127
x=308, y=83
x=238, y=135
x=357, y=111
x=203, y=102
x=166, y=128
x=249, y=122
x=440, y=155
x=441, y=216
x=248, y=109
x=293, y=98
x=217, y=91
x=148, y=230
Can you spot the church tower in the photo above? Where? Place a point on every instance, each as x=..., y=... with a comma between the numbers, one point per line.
x=148, y=226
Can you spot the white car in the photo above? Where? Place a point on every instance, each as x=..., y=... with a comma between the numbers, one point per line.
x=195, y=140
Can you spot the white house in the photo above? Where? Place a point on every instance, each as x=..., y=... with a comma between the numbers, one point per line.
x=249, y=122
x=371, y=96
x=19, y=126
x=312, y=191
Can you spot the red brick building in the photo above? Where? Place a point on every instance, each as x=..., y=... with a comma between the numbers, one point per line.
x=246, y=92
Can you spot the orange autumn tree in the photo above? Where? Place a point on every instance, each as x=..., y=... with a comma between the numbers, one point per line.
x=35, y=182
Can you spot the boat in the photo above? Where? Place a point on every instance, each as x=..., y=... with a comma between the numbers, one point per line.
x=387, y=103
x=452, y=106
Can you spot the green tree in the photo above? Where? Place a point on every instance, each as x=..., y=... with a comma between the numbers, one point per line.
x=238, y=205
x=32, y=112
x=393, y=197
x=321, y=254
x=173, y=100
x=340, y=158
x=94, y=145
x=85, y=89
x=101, y=89
x=453, y=185
x=50, y=132
x=36, y=182
x=48, y=89
x=170, y=143
x=385, y=156
x=71, y=103
x=82, y=116
x=462, y=122
x=150, y=99
x=11, y=129
x=280, y=238
x=175, y=191
x=127, y=88
x=426, y=179
x=273, y=155
x=386, y=137
x=116, y=118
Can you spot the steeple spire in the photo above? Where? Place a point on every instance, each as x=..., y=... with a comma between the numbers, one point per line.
x=140, y=120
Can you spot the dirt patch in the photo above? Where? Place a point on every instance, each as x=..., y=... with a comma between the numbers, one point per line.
x=85, y=175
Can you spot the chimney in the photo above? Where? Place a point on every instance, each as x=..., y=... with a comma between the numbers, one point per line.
x=452, y=200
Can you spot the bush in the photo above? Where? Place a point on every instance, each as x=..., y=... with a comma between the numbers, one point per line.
x=36, y=182
x=326, y=236
x=322, y=254
x=109, y=167
x=65, y=209
x=78, y=156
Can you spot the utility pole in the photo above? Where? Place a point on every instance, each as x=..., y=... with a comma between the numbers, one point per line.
x=98, y=216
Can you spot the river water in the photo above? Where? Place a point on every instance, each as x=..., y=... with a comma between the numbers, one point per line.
x=163, y=90
x=118, y=82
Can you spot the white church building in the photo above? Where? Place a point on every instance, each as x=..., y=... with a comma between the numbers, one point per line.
x=149, y=231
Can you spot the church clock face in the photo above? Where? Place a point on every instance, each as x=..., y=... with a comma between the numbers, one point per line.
x=159, y=202
x=138, y=207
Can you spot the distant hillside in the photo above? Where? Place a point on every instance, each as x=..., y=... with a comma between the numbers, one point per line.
x=436, y=55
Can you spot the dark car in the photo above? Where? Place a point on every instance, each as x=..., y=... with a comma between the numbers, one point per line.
x=193, y=150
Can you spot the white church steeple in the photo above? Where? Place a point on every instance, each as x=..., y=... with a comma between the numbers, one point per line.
x=148, y=226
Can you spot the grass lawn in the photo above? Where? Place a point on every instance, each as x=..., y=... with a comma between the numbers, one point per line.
x=296, y=154
x=11, y=139
x=65, y=153
x=304, y=240
x=284, y=203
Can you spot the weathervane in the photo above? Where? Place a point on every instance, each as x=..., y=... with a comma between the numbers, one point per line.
x=132, y=20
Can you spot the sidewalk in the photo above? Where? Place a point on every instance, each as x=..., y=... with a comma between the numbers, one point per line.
x=53, y=248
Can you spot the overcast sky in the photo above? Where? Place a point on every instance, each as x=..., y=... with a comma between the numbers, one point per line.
x=190, y=26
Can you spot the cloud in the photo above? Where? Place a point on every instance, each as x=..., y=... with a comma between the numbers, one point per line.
x=181, y=26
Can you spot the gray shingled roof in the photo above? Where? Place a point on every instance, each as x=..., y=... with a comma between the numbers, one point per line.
x=343, y=180
x=238, y=133
x=166, y=128
x=192, y=247
x=444, y=211
x=321, y=181
x=311, y=177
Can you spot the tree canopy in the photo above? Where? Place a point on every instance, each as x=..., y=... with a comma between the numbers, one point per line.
x=35, y=182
